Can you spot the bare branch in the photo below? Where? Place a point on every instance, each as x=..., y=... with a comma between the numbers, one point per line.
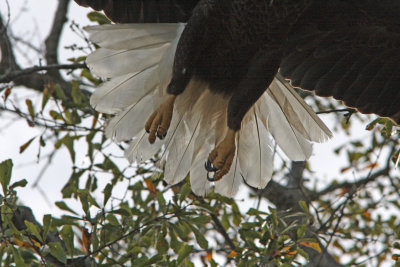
x=347, y=110
x=8, y=61
x=351, y=185
x=8, y=77
x=53, y=40
x=30, y=78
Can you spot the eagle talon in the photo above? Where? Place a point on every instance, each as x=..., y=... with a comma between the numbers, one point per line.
x=210, y=167
x=162, y=136
x=220, y=159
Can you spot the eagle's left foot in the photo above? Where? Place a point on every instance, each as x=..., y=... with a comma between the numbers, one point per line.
x=220, y=159
x=158, y=123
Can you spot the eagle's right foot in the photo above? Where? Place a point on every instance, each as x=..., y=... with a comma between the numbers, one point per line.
x=220, y=159
x=158, y=123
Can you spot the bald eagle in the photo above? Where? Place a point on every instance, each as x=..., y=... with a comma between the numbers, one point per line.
x=192, y=77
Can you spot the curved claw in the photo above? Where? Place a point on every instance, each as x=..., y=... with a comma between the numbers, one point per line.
x=210, y=167
x=162, y=136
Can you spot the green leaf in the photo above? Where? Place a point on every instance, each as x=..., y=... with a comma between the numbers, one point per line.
x=63, y=206
x=178, y=228
x=59, y=92
x=68, y=236
x=254, y=212
x=76, y=93
x=56, y=116
x=19, y=261
x=5, y=174
x=184, y=252
x=93, y=201
x=175, y=244
x=57, y=251
x=84, y=198
x=201, y=240
x=88, y=75
x=78, y=59
x=98, y=17
x=113, y=220
x=301, y=231
x=45, y=97
x=107, y=193
x=69, y=144
x=201, y=219
x=6, y=220
x=303, y=253
x=274, y=216
x=20, y=183
x=304, y=206
x=153, y=260
x=34, y=229
x=225, y=220
x=46, y=225
x=161, y=199
x=122, y=212
x=185, y=191
x=236, y=215
x=387, y=124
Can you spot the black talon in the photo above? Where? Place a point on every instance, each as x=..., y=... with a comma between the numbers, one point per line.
x=210, y=167
x=162, y=136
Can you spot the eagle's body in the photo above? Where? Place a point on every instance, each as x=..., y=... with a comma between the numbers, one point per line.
x=349, y=49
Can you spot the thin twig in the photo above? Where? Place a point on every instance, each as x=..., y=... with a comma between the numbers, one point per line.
x=349, y=110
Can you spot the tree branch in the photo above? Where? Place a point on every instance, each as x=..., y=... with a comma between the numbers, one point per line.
x=357, y=184
x=53, y=40
x=8, y=61
x=10, y=76
x=29, y=77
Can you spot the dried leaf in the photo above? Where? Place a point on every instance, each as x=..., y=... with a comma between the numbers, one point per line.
x=313, y=245
x=86, y=239
x=26, y=145
x=209, y=255
x=233, y=254
x=367, y=215
x=7, y=93
x=151, y=186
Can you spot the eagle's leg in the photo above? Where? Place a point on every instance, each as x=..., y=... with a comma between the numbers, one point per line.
x=221, y=157
x=261, y=72
x=186, y=54
x=158, y=123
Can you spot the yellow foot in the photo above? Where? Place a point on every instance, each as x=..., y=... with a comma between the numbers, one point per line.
x=220, y=159
x=158, y=123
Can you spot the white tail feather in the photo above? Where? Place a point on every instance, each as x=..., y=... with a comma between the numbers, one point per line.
x=255, y=152
x=100, y=61
x=117, y=94
x=132, y=36
x=139, y=59
x=298, y=112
